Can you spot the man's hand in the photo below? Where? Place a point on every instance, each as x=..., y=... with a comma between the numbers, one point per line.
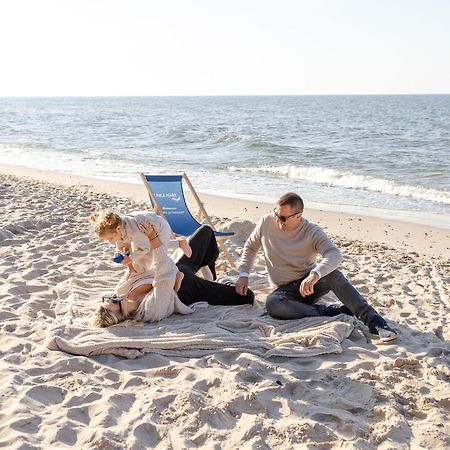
x=307, y=285
x=241, y=286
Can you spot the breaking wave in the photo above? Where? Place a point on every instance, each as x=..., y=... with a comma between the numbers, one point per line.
x=332, y=177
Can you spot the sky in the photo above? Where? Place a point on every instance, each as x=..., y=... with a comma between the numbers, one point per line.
x=223, y=47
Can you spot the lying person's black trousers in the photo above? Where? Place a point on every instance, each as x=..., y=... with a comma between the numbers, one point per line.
x=205, y=252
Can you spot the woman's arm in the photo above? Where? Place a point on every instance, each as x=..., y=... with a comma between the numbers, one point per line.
x=149, y=230
x=129, y=263
x=162, y=229
x=153, y=236
x=154, y=242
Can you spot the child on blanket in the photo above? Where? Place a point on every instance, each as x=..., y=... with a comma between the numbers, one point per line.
x=133, y=234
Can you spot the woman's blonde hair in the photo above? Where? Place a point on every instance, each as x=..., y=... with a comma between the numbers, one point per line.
x=104, y=317
x=104, y=221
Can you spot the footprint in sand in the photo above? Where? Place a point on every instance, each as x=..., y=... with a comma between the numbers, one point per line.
x=147, y=435
x=66, y=435
x=28, y=424
x=46, y=395
x=79, y=414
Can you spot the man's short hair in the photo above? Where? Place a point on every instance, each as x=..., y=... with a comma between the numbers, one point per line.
x=292, y=199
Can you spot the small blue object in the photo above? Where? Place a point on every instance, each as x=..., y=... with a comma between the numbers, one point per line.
x=120, y=257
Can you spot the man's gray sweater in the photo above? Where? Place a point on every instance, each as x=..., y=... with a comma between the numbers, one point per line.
x=289, y=255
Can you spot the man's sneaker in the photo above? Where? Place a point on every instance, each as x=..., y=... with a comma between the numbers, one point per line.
x=378, y=328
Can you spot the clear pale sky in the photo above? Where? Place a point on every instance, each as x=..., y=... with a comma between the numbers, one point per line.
x=224, y=47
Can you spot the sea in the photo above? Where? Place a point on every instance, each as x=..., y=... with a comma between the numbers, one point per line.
x=379, y=155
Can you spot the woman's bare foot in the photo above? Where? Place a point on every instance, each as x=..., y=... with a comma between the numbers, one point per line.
x=178, y=279
x=184, y=245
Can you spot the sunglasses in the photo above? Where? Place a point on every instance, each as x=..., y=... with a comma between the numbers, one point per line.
x=284, y=218
x=115, y=299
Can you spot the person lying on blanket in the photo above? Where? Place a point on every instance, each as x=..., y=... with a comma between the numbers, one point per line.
x=146, y=292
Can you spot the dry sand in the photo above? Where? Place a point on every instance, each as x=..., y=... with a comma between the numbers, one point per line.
x=369, y=396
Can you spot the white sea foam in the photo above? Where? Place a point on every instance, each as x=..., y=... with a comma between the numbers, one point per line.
x=231, y=138
x=331, y=177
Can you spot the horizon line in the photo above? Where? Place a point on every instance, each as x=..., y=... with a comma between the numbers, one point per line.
x=218, y=95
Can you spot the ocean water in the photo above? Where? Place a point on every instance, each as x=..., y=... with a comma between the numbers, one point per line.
x=382, y=155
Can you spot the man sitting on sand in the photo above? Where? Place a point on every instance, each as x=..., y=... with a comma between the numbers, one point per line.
x=291, y=245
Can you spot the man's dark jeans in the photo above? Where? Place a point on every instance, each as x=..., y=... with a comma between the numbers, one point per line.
x=286, y=302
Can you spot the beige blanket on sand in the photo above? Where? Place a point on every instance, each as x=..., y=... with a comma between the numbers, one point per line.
x=206, y=331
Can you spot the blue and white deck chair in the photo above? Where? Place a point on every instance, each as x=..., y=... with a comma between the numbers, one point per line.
x=167, y=199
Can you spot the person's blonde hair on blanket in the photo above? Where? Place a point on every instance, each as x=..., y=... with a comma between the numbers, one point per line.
x=105, y=317
x=105, y=221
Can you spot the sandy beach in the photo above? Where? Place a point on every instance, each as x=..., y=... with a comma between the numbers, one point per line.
x=361, y=395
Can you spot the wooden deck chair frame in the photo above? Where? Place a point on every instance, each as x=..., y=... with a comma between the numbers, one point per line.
x=201, y=212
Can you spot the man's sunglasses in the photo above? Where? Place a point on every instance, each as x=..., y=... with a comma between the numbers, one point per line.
x=284, y=218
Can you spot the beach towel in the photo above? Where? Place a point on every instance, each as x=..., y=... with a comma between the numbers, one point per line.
x=207, y=331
